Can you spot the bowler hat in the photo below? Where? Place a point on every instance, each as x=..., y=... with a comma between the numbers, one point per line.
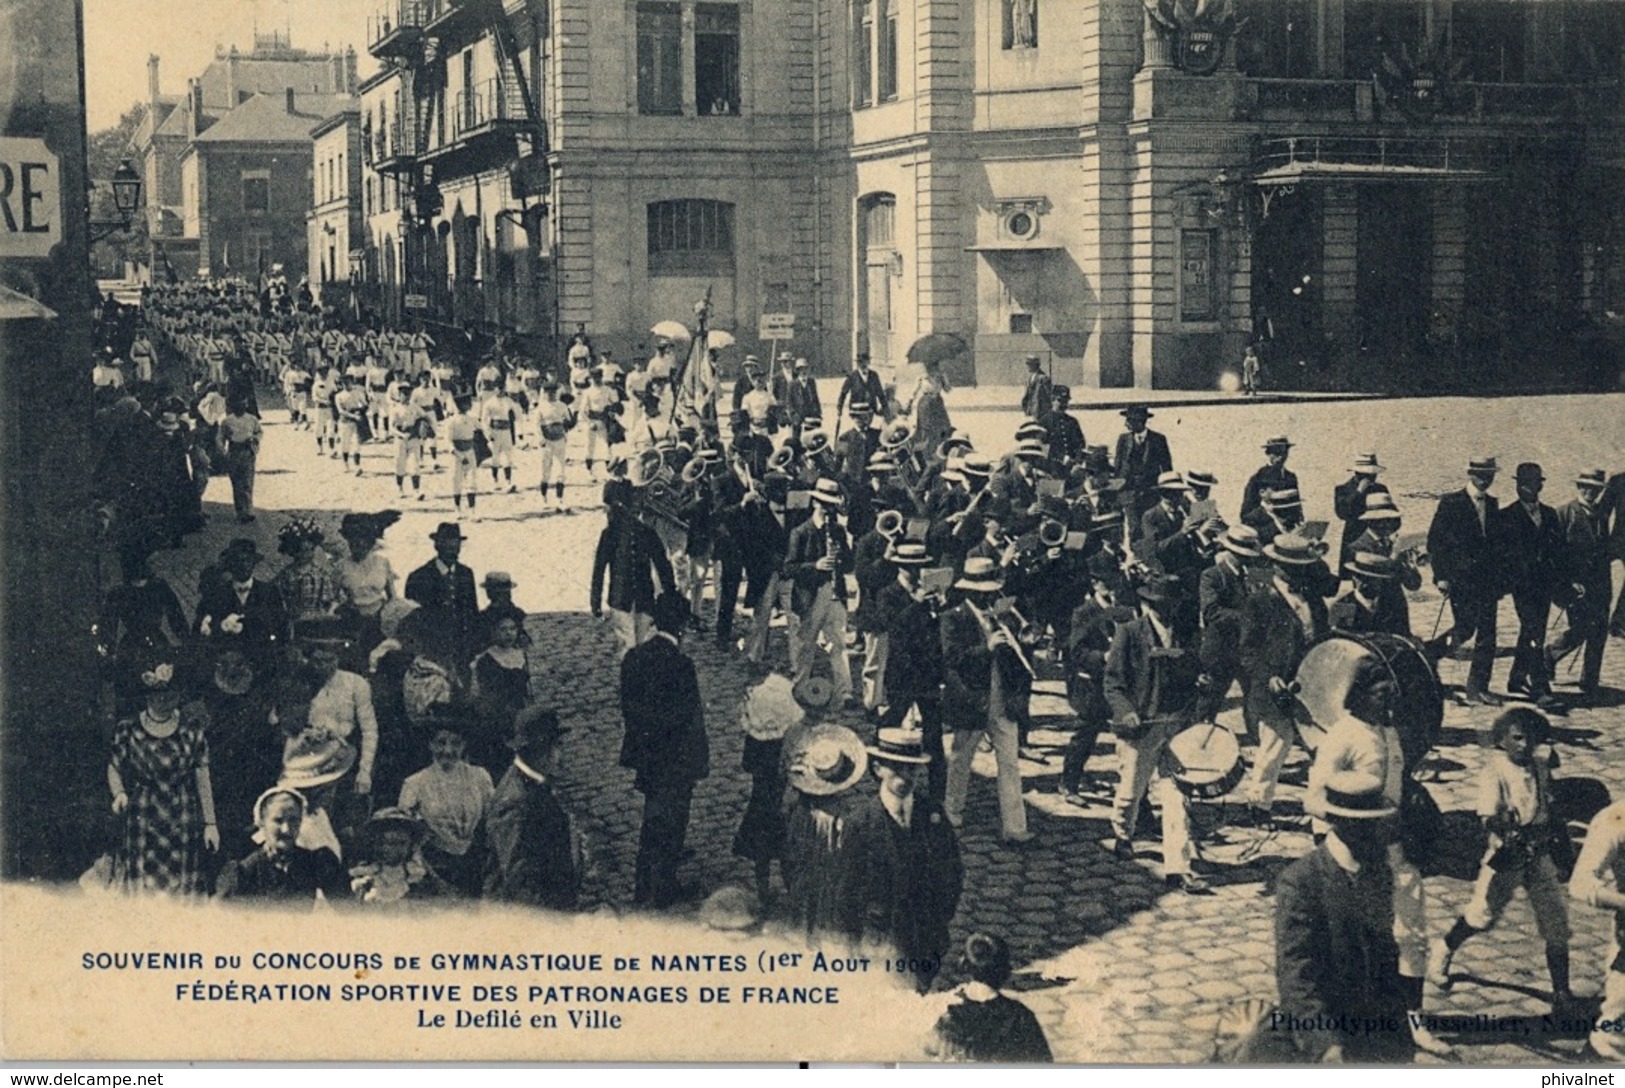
x=1279, y=442
x=1136, y=411
x=536, y=724
x=447, y=530
x=1529, y=472
x=671, y=612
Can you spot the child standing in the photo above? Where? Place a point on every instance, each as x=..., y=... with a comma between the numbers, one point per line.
x=770, y=711
x=1514, y=801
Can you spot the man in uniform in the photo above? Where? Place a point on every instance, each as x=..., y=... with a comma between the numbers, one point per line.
x=1066, y=444
x=1464, y=543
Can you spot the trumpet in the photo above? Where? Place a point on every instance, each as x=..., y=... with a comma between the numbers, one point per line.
x=992, y=625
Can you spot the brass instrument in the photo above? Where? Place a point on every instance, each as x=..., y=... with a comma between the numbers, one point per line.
x=992, y=625
x=889, y=523
x=1051, y=533
x=693, y=472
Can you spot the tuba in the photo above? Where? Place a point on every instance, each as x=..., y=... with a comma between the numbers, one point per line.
x=890, y=524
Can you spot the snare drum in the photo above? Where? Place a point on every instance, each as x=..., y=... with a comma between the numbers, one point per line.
x=1205, y=760
x=1327, y=673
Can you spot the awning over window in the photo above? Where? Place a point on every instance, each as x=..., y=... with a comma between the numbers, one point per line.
x=1298, y=173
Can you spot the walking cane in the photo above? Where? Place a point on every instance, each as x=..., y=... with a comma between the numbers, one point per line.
x=1438, y=618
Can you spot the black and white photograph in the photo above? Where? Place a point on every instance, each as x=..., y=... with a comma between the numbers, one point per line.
x=893, y=531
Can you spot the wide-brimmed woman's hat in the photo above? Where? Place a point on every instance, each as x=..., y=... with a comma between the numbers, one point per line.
x=1380, y=506
x=1356, y=795
x=905, y=746
x=770, y=709
x=981, y=575
x=825, y=760
x=1293, y=550
x=315, y=760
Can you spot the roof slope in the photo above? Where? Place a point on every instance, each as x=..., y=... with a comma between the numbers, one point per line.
x=265, y=118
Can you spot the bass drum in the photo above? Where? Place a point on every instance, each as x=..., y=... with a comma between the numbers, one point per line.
x=1327, y=673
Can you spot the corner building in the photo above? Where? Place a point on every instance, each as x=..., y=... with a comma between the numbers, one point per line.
x=1377, y=190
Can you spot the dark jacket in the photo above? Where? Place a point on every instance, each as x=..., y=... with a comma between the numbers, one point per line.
x=801, y=403
x=1464, y=553
x=1223, y=595
x=808, y=543
x=1089, y=640
x=1349, y=503
x=664, y=716
x=1531, y=547
x=1273, y=641
x=450, y=609
x=968, y=666
x=634, y=558
x=914, y=650
x=1038, y=399
x=861, y=386
x=535, y=858
x=265, y=620
x=873, y=573
x=1148, y=679
x=1585, y=549
x=1389, y=614
x=1267, y=478
x=1065, y=436
x=1335, y=953
x=304, y=873
x=1139, y=465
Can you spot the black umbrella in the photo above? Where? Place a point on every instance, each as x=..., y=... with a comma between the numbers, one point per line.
x=937, y=347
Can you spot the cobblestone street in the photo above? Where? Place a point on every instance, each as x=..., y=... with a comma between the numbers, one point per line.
x=1118, y=968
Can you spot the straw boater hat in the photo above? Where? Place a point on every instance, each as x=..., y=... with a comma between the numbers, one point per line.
x=882, y=463
x=1592, y=478
x=1356, y=795
x=315, y=760
x=1241, y=540
x=825, y=760
x=1292, y=550
x=976, y=464
x=1198, y=478
x=981, y=575
x=1278, y=442
x=1379, y=506
x=1284, y=499
x=499, y=579
x=770, y=709
x=1031, y=448
x=1365, y=464
x=1482, y=466
x=906, y=746
x=826, y=491
x=1171, y=481
x=1374, y=565
x=1032, y=429
x=908, y=553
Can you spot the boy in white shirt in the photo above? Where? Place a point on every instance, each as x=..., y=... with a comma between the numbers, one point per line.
x=553, y=422
x=497, y=415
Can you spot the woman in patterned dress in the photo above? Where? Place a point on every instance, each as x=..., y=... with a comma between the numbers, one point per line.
x=159, y=778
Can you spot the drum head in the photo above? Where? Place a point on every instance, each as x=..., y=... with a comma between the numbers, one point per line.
x=1327, y=673
x=1205, y=760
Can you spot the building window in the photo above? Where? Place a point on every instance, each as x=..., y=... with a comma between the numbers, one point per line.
x=716, y=60
x=888, y=50
x=880, y=220
x=691, y=238
x=1276, y=39
x=660, y=58
x=1490, y=36
x=1374, y=29
x=1198, y=297
x=863, y=39
x=256, y=190
x=1020, y=24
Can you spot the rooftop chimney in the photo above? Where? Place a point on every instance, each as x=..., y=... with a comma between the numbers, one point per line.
x=335, y=68
x=233, y=79
x=350, y=81
x=196, y=104
x=291, y=108
x=152, y=78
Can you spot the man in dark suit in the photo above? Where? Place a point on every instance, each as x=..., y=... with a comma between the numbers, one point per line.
x=1222, y=592
x=631, y=553
x=1531, y=548
x=862, y=386
x=856, y=447
x=1613, y=508
x=1278, y=623
x=665, y=745
x=1152, y=673
x=1142, y=456
x=535, y=856
x=1273, y=476
x=900, y=873
x=445, y=589
x=800, y=399
x=1467, y=569
x=1349, y=499
x=240, y=612
x=1037, y=400
x=1089, y=637
x=1584, y=585
x=906, y=611
x=1368, y=606
x=1336, y=960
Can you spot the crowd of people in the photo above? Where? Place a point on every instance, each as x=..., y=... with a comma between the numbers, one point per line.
x=335, y=738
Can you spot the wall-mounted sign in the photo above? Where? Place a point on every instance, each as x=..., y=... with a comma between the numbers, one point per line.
x=30, y=198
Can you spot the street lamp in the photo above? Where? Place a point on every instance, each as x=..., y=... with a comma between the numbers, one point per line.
x=126, y=185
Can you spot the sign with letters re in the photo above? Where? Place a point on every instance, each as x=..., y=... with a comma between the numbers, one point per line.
x=30, y=198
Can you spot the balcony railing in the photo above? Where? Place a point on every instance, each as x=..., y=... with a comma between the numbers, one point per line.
x=1361, y=100
x=492, y=104
x=446, y=16
x=395, y=26
x=1438, y=153
x=391, y=147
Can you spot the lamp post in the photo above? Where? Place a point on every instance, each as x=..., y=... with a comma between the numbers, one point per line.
x=126, y=185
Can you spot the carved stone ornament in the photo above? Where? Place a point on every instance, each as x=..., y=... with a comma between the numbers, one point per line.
x=1197, y=29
